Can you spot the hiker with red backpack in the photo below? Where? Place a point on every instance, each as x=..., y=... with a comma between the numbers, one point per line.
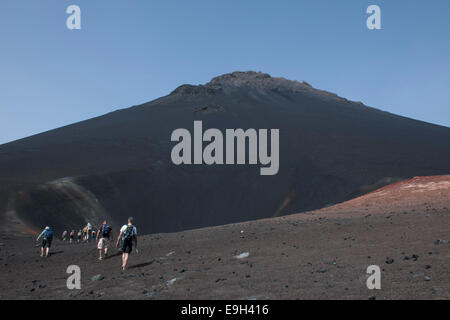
x=128, y=233
x=104, y=236
x=47, y=237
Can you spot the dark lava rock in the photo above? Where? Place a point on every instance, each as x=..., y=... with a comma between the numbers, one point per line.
x=150, y=295
x=97, y=277
x=76, y=293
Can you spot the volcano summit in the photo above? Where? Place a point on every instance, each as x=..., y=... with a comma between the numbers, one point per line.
x=331, y=149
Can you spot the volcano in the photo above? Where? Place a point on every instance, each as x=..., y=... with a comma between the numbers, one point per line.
x=119, y=164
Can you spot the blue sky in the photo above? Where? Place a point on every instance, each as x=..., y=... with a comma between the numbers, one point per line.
x=131, y=52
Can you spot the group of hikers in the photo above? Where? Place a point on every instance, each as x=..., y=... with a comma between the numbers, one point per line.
x=103, y=237
x=83, y=235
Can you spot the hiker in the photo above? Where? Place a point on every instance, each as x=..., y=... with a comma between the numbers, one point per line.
x=64, y=235
x=47, y=237
x=84, y=233
x=128, y=232
x=93, y=235
x=88, y=231
x=79, y=235
x=72, y=235
x=104, y=236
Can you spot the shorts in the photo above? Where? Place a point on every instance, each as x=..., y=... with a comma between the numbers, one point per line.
x=103, y=243
x=127, y=246
x=46, y=243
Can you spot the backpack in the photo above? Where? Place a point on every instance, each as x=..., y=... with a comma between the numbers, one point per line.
x=106, y=230
x=48, y=235
x=128, y=234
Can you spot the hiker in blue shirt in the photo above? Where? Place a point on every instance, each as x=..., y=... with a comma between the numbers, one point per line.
x=47, y=237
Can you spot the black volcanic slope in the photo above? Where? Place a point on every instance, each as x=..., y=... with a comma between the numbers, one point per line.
x=119, y=164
